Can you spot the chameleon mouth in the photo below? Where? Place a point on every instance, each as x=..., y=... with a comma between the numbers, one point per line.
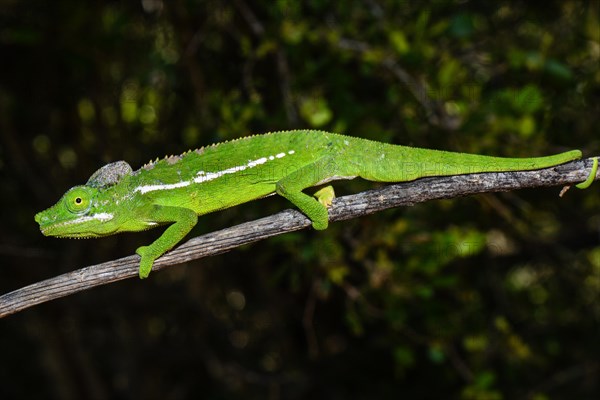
x=72, y=228
x=51, y=230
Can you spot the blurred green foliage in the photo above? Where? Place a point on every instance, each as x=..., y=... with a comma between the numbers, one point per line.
x=488, y=297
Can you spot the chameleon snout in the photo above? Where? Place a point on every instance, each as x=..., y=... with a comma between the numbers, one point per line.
x=44, y=221
x=42, y=218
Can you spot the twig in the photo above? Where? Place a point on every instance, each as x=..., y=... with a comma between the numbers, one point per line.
x=403, y=194
x=434, y=108
x=283, y=68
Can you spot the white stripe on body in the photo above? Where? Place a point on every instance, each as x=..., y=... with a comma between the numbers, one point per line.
x=209, y=176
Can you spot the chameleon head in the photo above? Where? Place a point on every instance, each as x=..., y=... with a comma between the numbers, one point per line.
x=77, y=214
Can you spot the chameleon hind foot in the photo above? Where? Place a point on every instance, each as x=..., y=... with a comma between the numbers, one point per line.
x=325, y=195
x=586, y=184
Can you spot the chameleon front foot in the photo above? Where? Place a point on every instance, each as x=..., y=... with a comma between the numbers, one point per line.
x=146, y=261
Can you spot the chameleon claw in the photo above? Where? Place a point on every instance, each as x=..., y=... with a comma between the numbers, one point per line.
x=586, y=184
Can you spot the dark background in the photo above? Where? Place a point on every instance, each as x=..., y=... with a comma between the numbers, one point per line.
x=487, y=297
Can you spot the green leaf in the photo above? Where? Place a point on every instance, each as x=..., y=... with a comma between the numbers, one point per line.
x=316, y=111
x=558, y=70
x=462, y=26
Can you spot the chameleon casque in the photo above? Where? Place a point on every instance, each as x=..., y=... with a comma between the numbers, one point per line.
x=177, y=189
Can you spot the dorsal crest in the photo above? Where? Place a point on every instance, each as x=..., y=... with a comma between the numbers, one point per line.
x=109, y=175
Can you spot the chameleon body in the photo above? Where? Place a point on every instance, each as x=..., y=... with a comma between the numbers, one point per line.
x=177, y=189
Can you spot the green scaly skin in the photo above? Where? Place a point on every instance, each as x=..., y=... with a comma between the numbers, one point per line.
x=177, y=189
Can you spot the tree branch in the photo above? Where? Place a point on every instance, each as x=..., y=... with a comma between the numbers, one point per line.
x=403, y=194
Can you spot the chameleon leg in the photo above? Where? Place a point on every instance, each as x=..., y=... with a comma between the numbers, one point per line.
x=586, y=184
x=184, y=220
x=291, y=187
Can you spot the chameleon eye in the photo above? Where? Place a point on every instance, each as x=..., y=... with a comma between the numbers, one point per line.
x=78, y=200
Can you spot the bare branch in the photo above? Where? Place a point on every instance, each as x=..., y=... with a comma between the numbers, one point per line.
x=403, y=194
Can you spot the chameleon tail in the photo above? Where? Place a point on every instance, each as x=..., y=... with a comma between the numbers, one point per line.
x=586, y=184
x=400, y=163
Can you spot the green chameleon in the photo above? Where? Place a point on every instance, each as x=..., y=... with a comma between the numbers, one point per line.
x=177, y=189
